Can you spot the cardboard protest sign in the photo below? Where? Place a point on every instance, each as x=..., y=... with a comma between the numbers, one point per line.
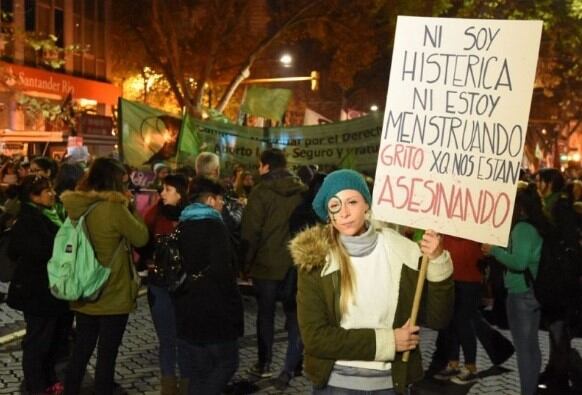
x=455, y=125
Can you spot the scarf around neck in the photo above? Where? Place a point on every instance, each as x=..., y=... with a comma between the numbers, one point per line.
x=170, y=212
x=51, y=213
x=361, y=245
x=197, y=211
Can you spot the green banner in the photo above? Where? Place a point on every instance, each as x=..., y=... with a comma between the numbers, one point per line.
x=349, y=144
x=267, y=103
x=232, y=143
x=148, y=135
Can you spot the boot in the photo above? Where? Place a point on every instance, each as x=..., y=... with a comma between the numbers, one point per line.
x=183, y=386
x=169, y=385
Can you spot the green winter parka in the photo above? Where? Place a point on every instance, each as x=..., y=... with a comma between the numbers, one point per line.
x=265, y=224
x=108, y=223
x=319, y=313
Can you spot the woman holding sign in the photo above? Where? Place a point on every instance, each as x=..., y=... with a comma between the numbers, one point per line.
x=355, y=294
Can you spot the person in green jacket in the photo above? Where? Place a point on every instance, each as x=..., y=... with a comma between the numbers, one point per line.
x=355, y=294
x=523, y=310
x=264, y=238
x=111, y=225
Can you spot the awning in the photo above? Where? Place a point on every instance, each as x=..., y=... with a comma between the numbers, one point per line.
x=30, y=136
x=28, y=79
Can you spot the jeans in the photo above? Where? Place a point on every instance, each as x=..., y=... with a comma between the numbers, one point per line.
x=328, y=390
x=39, y=349
x=108, y=331
x=523, y=314
x=461, y=331
x=213, y=365
x=267, y=293
x=164, y=320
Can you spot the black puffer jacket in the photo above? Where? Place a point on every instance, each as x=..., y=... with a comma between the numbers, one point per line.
x=31, y=245
x=209, y=310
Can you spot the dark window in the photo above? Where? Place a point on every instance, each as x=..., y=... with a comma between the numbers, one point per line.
x=100, y=41
x=7, y=7
x=60, y=27
x=89, y=35
x=100, y=11
x=29, y=15
x=90, y=9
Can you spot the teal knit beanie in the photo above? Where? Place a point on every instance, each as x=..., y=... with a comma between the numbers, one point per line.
x=336, y=182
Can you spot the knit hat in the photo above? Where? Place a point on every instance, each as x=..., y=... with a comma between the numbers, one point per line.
x=159, y=166
x=335, y=182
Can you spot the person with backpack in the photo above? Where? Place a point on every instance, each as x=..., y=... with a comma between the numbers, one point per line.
x=523, y=310
x=564, y=362
x=30, y=246
x=112, y=223
x=161, y=219
x=209, y=311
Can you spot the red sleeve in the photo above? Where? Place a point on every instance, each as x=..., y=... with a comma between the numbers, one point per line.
x=150, y=217
x=465, y=254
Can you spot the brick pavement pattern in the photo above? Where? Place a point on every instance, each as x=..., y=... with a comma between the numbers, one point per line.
x=137, y=364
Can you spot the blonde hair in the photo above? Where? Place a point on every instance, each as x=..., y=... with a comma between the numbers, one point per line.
x=347, y=283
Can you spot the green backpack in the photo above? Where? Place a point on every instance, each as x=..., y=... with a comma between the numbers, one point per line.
x=74, y=272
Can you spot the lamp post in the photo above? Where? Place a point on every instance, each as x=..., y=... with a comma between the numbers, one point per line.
x=314, y=78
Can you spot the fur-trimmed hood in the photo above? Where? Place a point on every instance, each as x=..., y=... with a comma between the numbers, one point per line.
x=309, y=248
x=76, y=202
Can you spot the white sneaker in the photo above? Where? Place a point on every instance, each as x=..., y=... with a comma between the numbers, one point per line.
x=465, y=377
x=447, y=373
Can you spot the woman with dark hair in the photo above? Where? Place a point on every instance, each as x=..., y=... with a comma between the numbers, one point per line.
x=111, y=225
x=44, y=166
x=209, y=313
x=161, y=219
x=523, y=253
x=67, y=177
x=31, y=247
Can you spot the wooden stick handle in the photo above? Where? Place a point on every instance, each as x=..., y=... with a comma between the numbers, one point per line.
x=417, y=297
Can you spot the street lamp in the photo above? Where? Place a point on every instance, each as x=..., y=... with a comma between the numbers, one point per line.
x=373, y=107
x=313, y=77
x=286, y=60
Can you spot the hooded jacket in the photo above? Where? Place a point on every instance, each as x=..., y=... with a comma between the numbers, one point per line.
x=319, y=315
x=108, y=223
x=31, y=246
x=265, y=224
x=208, y=309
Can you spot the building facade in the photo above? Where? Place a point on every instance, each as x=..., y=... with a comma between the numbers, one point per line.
x=40, y=89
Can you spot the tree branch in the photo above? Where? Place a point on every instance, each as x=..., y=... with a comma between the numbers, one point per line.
x=245, y=69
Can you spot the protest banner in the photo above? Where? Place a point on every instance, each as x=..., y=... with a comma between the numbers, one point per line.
x=234, y=144
x=455, y=125
x=352, y=144
x=148, y=135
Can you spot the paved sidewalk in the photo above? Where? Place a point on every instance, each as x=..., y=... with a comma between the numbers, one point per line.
x=137, y=366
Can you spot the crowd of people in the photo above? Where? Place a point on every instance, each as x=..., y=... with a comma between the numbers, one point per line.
x=306, y=239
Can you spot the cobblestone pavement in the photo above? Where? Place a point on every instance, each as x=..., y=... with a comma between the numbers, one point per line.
x=137, y=368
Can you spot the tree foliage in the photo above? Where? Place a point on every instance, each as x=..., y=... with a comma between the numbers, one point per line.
x=218, y=43
x=559, y=73
x=195, y=43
